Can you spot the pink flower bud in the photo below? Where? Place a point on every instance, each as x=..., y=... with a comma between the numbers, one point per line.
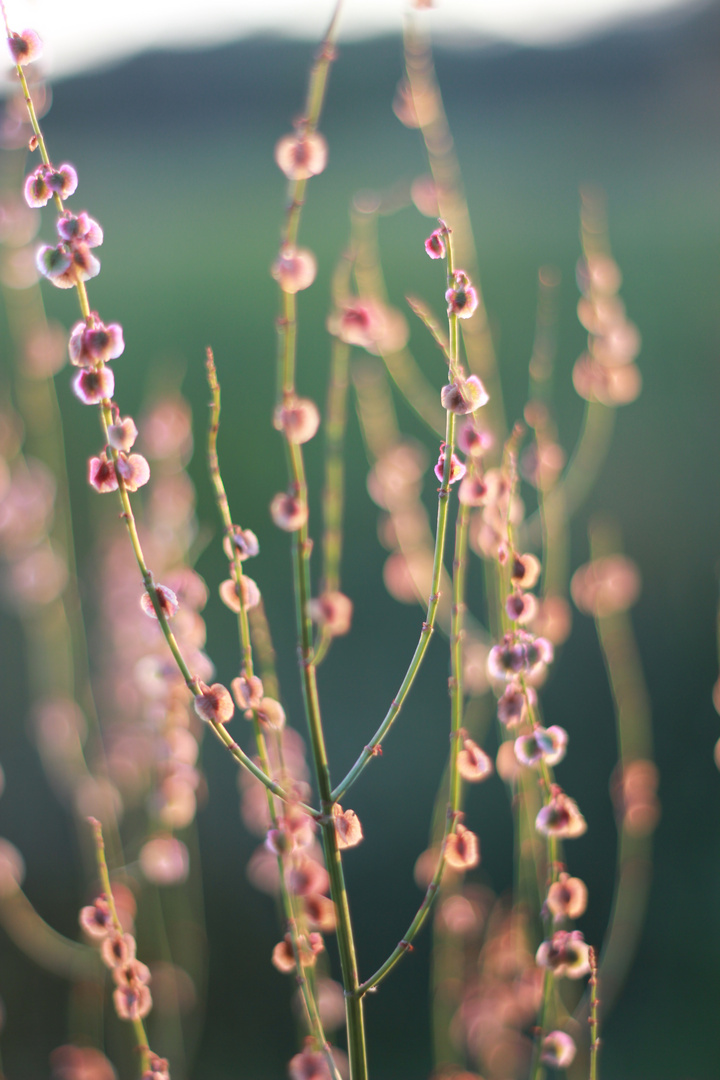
x=457, y=468
x=101, y=474
x=567, y=898
x=288, y=512
x=93, y=385
x=214, y=703
x=294, y=269
x=122, y=434
x=165, y=860
x=333, y=611
x=560, y=817
x=464, y=395
x=25, y=47
x=36, y=190
x=347, y=827
x=301, y=156
x=462, y=299
x=166, y=598
x=83, y=228
x=474, y=764
x=558, y=1050
x=133, y=468
x=62, y=181
x=95, y=343
x=298, y=418
x=250, y=594
x=462, y=849
x=247, y=691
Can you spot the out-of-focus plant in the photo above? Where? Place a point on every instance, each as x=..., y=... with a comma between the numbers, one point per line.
x=123, y=747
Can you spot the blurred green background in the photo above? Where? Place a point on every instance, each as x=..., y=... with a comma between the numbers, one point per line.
x=174, y=154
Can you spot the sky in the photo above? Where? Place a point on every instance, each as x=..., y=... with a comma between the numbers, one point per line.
x=83, y=34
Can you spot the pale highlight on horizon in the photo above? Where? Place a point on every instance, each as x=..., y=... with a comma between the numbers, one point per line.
x=85, y=34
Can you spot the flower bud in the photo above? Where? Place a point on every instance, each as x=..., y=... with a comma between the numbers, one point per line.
x=301, y=156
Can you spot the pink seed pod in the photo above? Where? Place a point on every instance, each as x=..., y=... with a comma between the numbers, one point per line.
x=167, y=600
x=294, y=269
x=567, y=898
x=271, y=713
x=101, y=474
x=96, y=920
x=521, y=607
x=558, y=1050
x=566, y=953
x=301, y=156
x=250, y=594
x=358, y=322
x=472, y=441
x=288, y=511
x=474, y=765
x=132, y=468
x=525, y=570
x=132, y=1002
x=463, y=396
x=83, y=228
x=95, y=343
x=347, y=827
x=214, y=704
x=473, y=491
x=66, y=265
x=333, y=612
x=548, y=745
x=247, y=691
x=560, y=817
x=462, y=849
x=457, y=468
x=62, y=181
x=311, y=1065
x=462, y=298
x=122, y=434
x=606, y=586
x=25, y=47
x=131, y=973
x=52, y=262
x=93, y=385
x=244, y=542
x=117, y=949
x=512, y=706
x=306, y=875
x=36, y=190
x=298, y=418
x=435, y=244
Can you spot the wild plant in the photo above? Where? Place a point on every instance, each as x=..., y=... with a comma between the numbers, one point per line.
x=517, y=1010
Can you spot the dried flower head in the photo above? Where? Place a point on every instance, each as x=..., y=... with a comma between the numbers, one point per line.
x=462, y=849
x=294, y=269
x=301, y=155
x=566, y=953
x=560, y=817
x=214, y=704
x=567, y=897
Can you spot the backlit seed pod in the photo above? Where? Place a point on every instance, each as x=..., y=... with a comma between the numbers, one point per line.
x=83, y=228
x=133, y=468
x=457, y=468
x=52, y=262
x=333, y=612
x=566, y=953
x=93, y=385
x=521, y=607
x=472, y=441
x=288, y=511
x=462, y=298
x=62, y=181
x=519, y=652
x=131, y=973
x=36, y=190
x=309, y=1065
x=166, y=598
x=298, y=418
x=25, y=47
x=301, y=155
x=132, y=1002
x=347, y=828
x=250, y=594
x=214, y=704
x=462, y=849
x=463, y=396
x=294, y=269
x=472, y=491
x=122, y=434
x=247, y=691
x=435, y=244
x=244, y=542
x=548, y=745
x=567, y=897
x=96, y=920
x=95, y=343
x=606, y=586
x=117, y=949
x=306, y=875
x=358, y=322
x=271, y=712
x=101, y=474
x=524, y=570
x=320, y=912
x=558, y=1050
x=560, y=817
x=473, y=763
